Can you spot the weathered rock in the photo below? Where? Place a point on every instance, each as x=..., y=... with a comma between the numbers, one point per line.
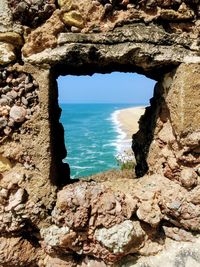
x=150, y=213
x=73, y=18
x=15, y=199
x=188, y=178
x=32, y=13
x=122, y=237
x=45, y=36
x=6, y=23
x=5, y=164
x=7, y=53
x=178, y=234
x=53, y=234
x=16, y=249
x=65, y=4
x=12, y=38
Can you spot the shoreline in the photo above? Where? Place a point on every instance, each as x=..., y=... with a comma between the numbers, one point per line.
x=126, y=124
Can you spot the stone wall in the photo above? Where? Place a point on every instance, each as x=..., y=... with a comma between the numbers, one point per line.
x=150, y=221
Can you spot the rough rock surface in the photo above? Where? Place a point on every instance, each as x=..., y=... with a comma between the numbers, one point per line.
x=32, y=13
x=111, y=221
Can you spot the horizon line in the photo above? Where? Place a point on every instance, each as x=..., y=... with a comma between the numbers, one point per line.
x=140, y=103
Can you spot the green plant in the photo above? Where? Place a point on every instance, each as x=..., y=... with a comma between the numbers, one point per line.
x=126, y=160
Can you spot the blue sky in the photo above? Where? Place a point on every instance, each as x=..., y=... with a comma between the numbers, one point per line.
x=116, y=87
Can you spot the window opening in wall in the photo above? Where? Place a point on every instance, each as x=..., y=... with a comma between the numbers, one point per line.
x=99, y=115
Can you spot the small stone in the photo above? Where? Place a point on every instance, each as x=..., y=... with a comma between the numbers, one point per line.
x=7, y=54
x=75, y=29
x=65, y=4
x=17, y=113
x=188, y=178
x=108, y=7
x=96, y=29
x=4, y=193
x=35, y=83
x=6, y=89
x=26, y=80
x=24, y=101
x=130, y=6
x=3, y=102
x=175, y=205
x=5, y=164
x=73, y=18
x=16, y=89
x=15, y=82
x=29, y=111
x=11, y=122
x=21, y=91
x=9, y=78
x=12, y=94
x=28, y=87
x=7, y=131
x=12, y=38
x=96, y=2
x=21, y=77
x=3, y=123
x=5, y=112
x=27, y=166
x=7, y=98
x=16, y=199
x=125, y=2
x=21, y=7
x=4, y=74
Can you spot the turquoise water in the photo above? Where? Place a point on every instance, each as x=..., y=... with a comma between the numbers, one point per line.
x=92, y=136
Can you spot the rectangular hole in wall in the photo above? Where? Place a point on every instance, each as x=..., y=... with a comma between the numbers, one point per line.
x=99, y=116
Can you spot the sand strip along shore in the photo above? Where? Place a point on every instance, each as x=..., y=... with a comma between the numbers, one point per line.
x=127, y=123
x=128, y=119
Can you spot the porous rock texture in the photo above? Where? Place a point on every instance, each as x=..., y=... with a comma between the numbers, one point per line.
x=45, y=219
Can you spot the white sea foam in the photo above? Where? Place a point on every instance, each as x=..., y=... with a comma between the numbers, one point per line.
x=81, y=168
x=122, y=143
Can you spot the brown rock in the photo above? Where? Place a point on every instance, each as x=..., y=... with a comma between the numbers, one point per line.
x=178, y=234
x=7, y=53
x=149, y=213
x=16, y=249
x=73, y=18
x=5, y=164
x=15, y=199
x=45, y=36
x=65, y=4
x=12, y=38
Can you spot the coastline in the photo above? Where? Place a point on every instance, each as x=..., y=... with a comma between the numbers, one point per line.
x=126, y=124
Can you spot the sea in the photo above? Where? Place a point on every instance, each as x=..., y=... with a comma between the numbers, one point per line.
x=93, y=137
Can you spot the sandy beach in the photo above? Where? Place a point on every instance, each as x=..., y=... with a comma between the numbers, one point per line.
x=127, y=124
x=128, y=119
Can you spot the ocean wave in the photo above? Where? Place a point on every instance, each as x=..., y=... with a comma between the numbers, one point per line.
x=81, y=168
x=121, y=142
x=110, y=144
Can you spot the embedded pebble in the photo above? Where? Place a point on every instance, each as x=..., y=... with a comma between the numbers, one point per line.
x=18, y=113
x=18, y=100
x=3, y=123
x=12, y=94
x=75, y=29
x=3, y=102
